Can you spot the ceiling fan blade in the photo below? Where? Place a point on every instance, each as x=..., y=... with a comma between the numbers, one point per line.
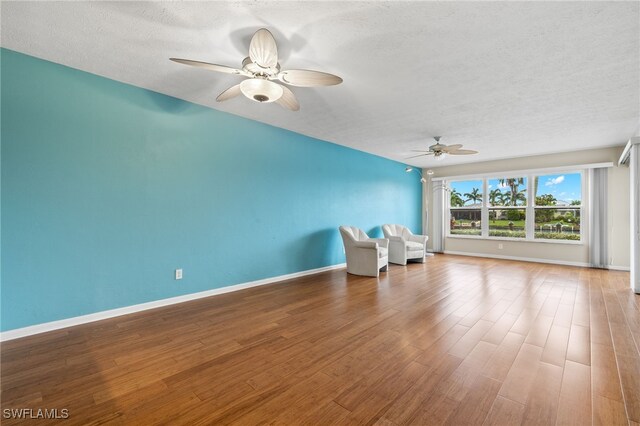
x=450, y=148
x=288, y=100
x=463, y=152
x=419, y=155
x=231, y=92
x=308, y=78
x=263, y=49
x=207, y=65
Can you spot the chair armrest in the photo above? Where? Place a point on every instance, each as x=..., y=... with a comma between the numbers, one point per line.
x=369, y=244
x=396, y=239
x=422, y=239
x=383, y=242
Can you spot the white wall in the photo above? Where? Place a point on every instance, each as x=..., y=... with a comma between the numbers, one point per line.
x=619, y=223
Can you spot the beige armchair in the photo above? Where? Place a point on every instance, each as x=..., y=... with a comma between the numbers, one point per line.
x=365, y=256
x=404, y=245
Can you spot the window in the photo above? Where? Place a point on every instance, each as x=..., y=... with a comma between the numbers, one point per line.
x=558, y=206
x=507, y=207
x=466, y=208
x=529, y=207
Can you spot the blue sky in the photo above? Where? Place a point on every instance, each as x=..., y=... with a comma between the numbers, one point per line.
x=564, y=187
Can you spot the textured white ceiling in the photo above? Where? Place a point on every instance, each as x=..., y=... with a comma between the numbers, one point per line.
x=505, y=78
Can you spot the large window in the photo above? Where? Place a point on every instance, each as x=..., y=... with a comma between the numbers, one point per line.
x=558, y=206
x=466, y=208
x=531, y=207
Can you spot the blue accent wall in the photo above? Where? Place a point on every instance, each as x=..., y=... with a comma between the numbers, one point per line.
x=107, y=188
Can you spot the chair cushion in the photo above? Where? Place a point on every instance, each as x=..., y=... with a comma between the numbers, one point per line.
x=382, y=252
x=413, y=246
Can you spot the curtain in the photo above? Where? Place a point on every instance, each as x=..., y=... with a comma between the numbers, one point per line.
x=438, y=212
x=598, y=235
x=634, y=166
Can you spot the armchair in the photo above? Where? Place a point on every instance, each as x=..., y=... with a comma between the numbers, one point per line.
x=365, y=256
x=404, y=245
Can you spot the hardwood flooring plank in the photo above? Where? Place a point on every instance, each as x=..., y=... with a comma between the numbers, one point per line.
x=555, y=349
x=500, y=328
x=608, y=412
x=604, y=372
x=629, y=368
x=574, y=406
x=467, y=342
x=504, y=412
x=522, y=374
x=542, y=402
x=473, y=409
x=499, y=365
x=579, y=348
x=539, y=330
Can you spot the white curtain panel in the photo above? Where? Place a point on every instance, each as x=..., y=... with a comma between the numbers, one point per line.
x=634, y=166
x=598, y=232
x=438, y=213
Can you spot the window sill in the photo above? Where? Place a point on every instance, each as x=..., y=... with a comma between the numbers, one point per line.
x=522, y=240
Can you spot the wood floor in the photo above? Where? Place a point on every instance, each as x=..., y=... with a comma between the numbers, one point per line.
x=456, y=340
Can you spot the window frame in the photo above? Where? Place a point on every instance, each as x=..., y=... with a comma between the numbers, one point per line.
x=529, y=208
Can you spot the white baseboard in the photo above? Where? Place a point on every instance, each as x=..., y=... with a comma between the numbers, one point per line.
x=70, y=322
x=523, y=259
x=619, y=268
x=534, y=259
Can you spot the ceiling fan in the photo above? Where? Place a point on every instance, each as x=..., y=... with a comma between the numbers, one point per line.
x=262, y=67
x=440, y=151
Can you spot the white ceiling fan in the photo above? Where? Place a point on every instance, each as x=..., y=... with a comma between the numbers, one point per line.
x=440, y=151
x=262, y=67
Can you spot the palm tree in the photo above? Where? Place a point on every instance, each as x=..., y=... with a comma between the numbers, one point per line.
x=456, y=199
x=474, y=196
x=513, y=184
x=495, y=197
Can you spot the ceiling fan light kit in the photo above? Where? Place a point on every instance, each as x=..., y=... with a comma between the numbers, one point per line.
x=261, y=90
x=261, y=67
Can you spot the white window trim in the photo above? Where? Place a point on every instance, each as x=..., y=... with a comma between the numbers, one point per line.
x=544, y=171
x=530, y=207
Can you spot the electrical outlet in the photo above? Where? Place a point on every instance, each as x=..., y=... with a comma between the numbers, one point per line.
x=500, y=246
x=178, y=274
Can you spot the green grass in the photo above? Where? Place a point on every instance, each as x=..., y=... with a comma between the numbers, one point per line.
x=506, y=233
x=466, y=231
x=556, y=236
x=505, y=223
x=518, y=234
